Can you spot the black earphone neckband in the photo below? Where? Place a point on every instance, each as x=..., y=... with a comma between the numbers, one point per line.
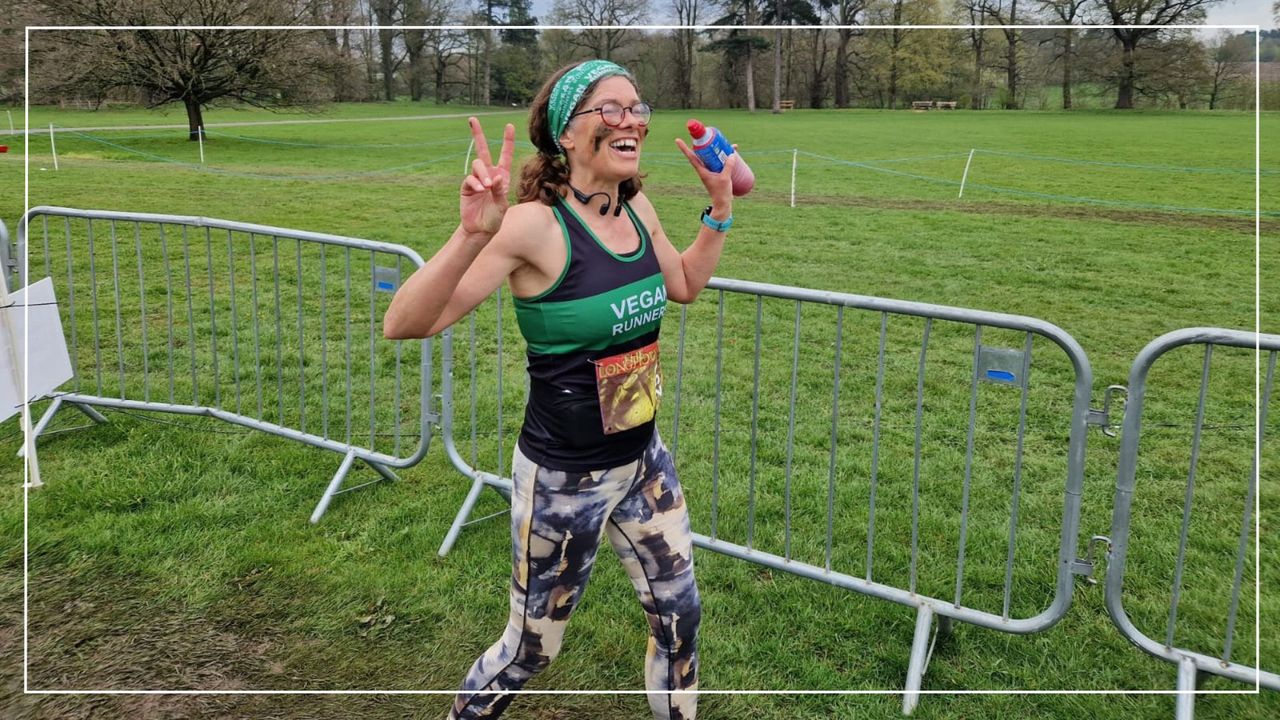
x=586, y=200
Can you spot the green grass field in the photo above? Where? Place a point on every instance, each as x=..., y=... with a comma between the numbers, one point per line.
x=177, y=554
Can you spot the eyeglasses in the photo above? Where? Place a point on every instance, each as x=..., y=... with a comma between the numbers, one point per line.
x=612, y=113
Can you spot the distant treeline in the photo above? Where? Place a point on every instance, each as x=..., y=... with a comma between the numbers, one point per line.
x=843, y=64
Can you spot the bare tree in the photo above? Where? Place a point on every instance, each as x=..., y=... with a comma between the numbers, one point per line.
x=1005, y=12
x=197, y=68
x=338, y=47
x=1145, y=12
x=1229, y=57
x=12, y=56
x=420, y=44
x=974, y=13
x=388, y=14
x=818, y=68
x=685, y=38
x=602, y=43
x=845, y=14
x=1069, y=12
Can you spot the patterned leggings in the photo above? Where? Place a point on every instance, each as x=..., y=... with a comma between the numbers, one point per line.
x=557, y=520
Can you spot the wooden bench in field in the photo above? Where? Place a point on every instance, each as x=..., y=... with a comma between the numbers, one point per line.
x=933, y=105
x=786, y=104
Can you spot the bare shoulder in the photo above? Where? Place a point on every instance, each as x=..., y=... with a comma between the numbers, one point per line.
x=645, y=211
x=526, y=225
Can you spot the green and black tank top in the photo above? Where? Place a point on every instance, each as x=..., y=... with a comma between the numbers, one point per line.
x=592, y=346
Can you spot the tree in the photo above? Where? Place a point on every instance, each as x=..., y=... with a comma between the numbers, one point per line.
x=12, y=55
x=388, y=13
x=974, y=13
x=1145, y=12
x=1175, y=71
x=446, y=49
x=338, y=47
x=818, y=68
x=687, y=15
x=1005, y=12
x=779, y=13
x=1229, y=58
x=420, y=44
x=603, y=44
x=1068, y=11
x=846, y=14
x=739, y=46
x=904, y=61
x=197, y=68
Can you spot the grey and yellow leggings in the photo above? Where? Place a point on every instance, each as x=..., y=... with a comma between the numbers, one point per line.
x=557, y=520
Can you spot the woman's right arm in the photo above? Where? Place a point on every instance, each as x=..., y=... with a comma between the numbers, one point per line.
x=473, y=262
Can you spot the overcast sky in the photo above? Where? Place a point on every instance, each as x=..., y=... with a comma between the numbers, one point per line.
x=1230, y=12
x=1242, y=12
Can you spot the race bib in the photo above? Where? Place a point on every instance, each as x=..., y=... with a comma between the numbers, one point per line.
x=629, y=385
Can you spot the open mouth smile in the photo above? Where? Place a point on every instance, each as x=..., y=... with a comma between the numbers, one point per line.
x=626, y=147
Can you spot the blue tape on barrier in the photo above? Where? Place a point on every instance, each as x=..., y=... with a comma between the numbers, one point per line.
x=1001, y=376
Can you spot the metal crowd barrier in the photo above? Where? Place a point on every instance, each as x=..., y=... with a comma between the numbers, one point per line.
x=868, y=432
x=893, y=449
x=268, y=328
x=1204, y=474
x=9, y=259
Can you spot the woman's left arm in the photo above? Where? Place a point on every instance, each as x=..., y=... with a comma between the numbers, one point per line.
x=686, y=273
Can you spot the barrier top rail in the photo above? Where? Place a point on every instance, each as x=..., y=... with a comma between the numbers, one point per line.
x=203, y=222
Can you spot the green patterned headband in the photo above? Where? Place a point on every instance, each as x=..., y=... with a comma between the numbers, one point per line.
x=569, y=90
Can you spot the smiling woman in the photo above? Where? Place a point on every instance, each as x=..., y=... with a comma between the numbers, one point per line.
x=590, y=290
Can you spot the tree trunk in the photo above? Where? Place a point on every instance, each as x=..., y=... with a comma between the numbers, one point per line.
x=893, y=67
x=195, y=119
x=488, y=69
x=1124, y=99
x=777, y=71
x=842, y=68
x=387, y=48
x=979, y=43
x=1011, y=76
x=684, y=40
x=817, y=89
x=1066, y=70
x=1011, y=59
x=414, y=44
x=440, y=66
x=751, y=62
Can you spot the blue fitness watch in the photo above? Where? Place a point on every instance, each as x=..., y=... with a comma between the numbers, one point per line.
x=717, y=225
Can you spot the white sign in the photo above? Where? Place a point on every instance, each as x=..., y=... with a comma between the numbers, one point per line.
x=49, y=362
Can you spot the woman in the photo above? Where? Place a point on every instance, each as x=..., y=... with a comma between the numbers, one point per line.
x=590, y=269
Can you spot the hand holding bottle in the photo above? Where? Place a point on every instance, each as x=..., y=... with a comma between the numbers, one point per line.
x=711, y=147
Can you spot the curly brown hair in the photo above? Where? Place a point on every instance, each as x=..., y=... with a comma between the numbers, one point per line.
x=545, y=176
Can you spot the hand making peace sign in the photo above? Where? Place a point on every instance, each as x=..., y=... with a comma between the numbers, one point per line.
x=483, y=199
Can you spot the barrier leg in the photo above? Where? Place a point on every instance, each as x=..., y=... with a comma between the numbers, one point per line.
x=334, y=484
x=461, y=518
x=921, y=649
x=1186, y=689
x=383, y=470
x=52, y=410
x=94, y=415
x=44, y=422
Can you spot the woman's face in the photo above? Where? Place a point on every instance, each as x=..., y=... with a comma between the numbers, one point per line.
x=610, y=151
